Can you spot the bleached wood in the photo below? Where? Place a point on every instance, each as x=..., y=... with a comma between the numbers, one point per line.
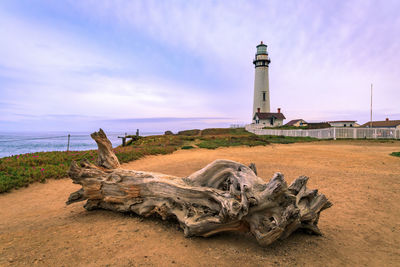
x=106, y=157
x=223, y=196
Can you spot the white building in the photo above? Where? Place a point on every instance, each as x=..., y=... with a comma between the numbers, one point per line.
x=268, y=119
x=343, y=123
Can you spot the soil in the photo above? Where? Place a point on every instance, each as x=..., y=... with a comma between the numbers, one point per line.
x=362, y=227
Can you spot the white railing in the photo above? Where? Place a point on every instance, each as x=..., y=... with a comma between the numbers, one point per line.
x=330, y=133
x=237, y=126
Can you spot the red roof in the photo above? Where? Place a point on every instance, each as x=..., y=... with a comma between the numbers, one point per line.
x=293, y=122
x=268, y=115
x=393, y=123
x=339, y=121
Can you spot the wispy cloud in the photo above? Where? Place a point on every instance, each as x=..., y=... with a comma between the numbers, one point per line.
x=165, y=119
x=58, y=72
x=326, y=50
x=147, y=59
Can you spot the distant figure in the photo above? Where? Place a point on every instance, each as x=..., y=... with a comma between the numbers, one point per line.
x=137, y=132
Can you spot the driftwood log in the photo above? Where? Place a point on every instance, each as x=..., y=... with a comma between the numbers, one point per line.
x=223, y=196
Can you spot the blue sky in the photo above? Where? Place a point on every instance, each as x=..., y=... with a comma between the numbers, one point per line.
x=170, y=65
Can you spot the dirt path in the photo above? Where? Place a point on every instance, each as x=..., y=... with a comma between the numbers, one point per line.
x=362, y=228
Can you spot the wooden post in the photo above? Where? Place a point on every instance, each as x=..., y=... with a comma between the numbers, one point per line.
x=123, y=140
x=69, y=136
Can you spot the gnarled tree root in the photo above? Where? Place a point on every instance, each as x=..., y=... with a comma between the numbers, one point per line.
x=223, y=196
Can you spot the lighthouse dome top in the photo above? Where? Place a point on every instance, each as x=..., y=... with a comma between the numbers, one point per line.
x=262, y=49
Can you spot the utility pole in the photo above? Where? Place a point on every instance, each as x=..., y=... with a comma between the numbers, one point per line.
x=370, y=122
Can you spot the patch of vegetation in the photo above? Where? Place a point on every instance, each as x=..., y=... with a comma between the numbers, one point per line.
x=216, y=131
x=212, y=142
x=306, y=127
x=187, y=147
x=224, y=131
x=21, y=170
x=284, y=127
x=280, y=139
x=132, y=138
x=396, y=154
x=249, y=140
x=190, y=132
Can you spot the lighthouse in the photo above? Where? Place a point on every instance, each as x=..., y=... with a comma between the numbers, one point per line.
x=261, y=106
x=261, y=80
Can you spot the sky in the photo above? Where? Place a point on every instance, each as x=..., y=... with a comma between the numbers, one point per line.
x=173, y=65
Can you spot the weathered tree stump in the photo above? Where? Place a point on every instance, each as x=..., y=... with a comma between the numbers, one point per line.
x=223, y=196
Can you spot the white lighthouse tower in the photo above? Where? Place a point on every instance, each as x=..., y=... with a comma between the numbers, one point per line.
x=261, y=106
x=261, y=80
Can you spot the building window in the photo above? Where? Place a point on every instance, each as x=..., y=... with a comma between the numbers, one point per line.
x=263, y=96
x=271, y=121
x=351, y=125
x=344, y=125
x=257, y=121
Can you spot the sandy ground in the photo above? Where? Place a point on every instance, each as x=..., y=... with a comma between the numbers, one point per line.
x=362, y=228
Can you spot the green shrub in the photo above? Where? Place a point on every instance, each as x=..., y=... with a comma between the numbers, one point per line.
x=285, y=127
x=187, y=147
x=190, y=132
x=215, y=131
x=280, y=139
x=396, y=154
x=227, y=141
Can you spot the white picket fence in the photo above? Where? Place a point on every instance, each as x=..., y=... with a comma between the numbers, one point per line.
x=331, y=133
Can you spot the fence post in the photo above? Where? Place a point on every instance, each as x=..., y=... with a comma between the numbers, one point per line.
x=68, y=142
x=375, y=135
x=334, y=133
x=354, y=133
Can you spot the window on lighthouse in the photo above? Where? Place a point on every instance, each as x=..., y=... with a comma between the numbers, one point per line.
x=263, y=96
x=261, y=49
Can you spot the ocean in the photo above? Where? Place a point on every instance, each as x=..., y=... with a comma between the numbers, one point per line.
x=21, y=143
